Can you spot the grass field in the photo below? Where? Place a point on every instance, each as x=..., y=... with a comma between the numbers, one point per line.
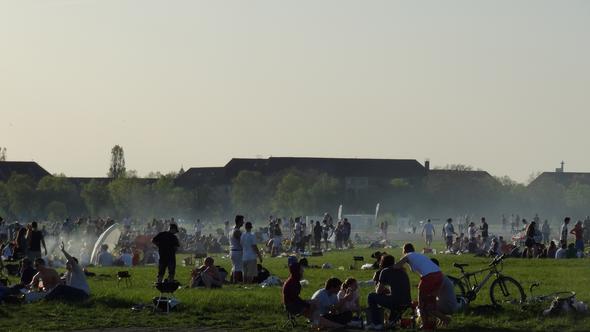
x=253, y=308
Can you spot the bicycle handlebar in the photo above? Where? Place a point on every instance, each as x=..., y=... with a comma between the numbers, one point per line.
x=497, y=260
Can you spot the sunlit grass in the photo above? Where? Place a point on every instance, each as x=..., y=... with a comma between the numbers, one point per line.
x=254, y=308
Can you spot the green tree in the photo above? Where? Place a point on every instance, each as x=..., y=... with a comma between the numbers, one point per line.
x=56, y=211
x=53, y=189
x=577, y=197
x=250, y=194
x=21, y=195
x=96, y=197
x=291, y=197
x=131, y=197
x=117, y=168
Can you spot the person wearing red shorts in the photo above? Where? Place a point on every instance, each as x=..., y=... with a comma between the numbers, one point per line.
x=431, y=279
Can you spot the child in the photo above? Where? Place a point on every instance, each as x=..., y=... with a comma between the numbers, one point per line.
x=349, y=295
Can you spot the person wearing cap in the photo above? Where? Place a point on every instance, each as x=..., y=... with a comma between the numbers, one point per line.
x=167, y=244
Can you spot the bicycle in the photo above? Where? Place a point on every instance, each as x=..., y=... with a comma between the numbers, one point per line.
x=548, y=298
x=503, y=290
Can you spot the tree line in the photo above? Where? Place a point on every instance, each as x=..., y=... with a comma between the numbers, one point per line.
x=288, y=193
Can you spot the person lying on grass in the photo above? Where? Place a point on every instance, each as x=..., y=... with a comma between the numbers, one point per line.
x=207, y=275
x=74, y=286
x=295, y=305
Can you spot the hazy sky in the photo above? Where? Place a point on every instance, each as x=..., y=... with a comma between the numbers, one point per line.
x=500, y=85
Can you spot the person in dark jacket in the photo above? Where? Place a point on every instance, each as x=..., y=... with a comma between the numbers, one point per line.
x=167, y=244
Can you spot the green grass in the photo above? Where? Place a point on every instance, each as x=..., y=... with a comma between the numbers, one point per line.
x=259, y=309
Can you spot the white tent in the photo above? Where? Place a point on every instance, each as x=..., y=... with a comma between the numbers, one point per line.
x=109, y=237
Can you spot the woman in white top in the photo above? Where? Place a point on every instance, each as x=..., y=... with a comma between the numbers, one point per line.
x=349, y=296
x=235, y=250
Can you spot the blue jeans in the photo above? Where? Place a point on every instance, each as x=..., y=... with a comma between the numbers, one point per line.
x=580, y=245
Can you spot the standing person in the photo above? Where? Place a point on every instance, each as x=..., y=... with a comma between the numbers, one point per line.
x=3, y=230
x=484, y=232
x=250, y=252
x=347, y=230
x=564, y=232
x=198, y=228
x=317, y=235
x=530, y=239
x=472, y=236
x=34, y=240
x=277, y=239
x=326, y=232
x=578, y=232
x=226, y=228
x=449, y=232
x=167, y=244
x=546, y=231
x=428, y=232
x=236, y=251
x=431, y=279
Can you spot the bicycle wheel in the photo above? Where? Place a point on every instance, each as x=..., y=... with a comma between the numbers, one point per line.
x=506, y=291
x=458, y=286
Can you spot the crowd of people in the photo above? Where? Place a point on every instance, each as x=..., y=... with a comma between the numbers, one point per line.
x=532, y=240
x=335, y=305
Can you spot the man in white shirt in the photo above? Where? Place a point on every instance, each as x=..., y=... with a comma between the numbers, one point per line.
x=428, y=232
x=564, y=231
x=76, y=287
x=449, y=232
x=431, y=279
x=248, y=242
x=561, y=253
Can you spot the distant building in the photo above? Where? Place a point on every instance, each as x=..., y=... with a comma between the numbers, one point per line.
x=356, y=174
x=30, y=168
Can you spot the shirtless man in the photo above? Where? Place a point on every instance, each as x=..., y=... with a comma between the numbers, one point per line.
x=45, y=280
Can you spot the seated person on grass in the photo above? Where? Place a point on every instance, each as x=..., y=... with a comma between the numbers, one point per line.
x=43, y=282
x=392, y=291
x=446, y=300
x=349, y=297
x=293, y=302
x=75, y=286
x=328, y=304
x=207, y=275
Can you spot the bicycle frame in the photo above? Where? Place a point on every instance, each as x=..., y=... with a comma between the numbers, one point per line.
x=477, y=286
